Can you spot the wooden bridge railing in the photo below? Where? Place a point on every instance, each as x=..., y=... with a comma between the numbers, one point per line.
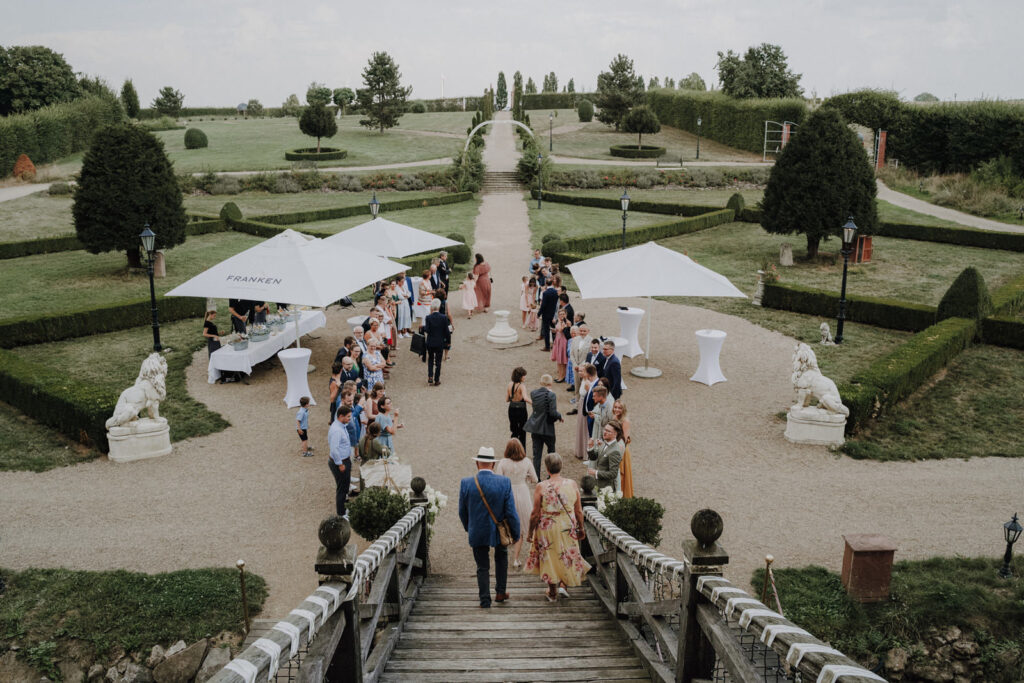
x=346, y=629
x=688, y=623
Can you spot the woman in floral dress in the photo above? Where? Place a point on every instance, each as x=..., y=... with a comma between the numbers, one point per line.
x=556, y=526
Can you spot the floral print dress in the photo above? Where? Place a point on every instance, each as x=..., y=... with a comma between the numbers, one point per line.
x=555, y=554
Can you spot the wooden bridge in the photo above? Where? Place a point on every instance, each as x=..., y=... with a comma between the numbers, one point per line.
x=642, y=616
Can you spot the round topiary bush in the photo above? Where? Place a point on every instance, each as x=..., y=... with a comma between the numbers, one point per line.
x=638, y=517
x=230, y=212
x=737, y=203
x=550, y=237
x=59, y=188
x=310, y=154
x=585, y=109
x=376, y=510
x=553, y=247
x=418, y=108
x=195, y=139
x=460, y=254
x=637, y=151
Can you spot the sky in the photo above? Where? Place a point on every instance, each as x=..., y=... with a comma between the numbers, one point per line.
x=223, y=52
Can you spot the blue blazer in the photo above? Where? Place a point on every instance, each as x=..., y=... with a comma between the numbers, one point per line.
x=548, y=304
x=613, y=371
x=474, y=516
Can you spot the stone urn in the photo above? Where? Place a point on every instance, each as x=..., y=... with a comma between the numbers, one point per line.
x=502, y=333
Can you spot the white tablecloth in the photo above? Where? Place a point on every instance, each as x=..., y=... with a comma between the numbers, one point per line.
x=710, y=344
x=295, y=362
x=629, y=324
x=227, y=359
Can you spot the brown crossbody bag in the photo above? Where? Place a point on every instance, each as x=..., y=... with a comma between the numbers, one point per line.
x=504, y=530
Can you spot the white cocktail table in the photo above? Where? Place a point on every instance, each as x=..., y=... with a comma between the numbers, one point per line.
x=295, y=362
x=710, y=344
x=629, y=326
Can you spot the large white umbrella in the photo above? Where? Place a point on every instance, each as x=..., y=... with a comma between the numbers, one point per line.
x=290, y=268
x=387, y=238
x=648, y=270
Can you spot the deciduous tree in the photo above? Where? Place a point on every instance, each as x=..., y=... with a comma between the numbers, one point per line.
x=502, y=94
x=822, y=177
x=130, y=99
x=531, y=87
x=126, y=182
x=641, y=120
x=692, y=82
x=32, y=77
x=254, y=108
x=762, y=72
x=169, y=102
x=383, y=98
x=291, y=106
x=318, y=93
x=570, y=86
x=926, y=97
x=653, y=83
x=344, y=97
x=618, y=91
x=550, y=83
x=317, y=121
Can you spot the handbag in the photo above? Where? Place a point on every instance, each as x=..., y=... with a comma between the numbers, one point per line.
x=418, y=344
x=504, y=530
x=575, y=533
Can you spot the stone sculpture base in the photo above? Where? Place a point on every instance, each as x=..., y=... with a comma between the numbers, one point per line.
x=815, y=426
x=502, y=333
x=144, y=438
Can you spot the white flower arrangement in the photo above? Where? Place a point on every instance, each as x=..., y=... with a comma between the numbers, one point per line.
x=436, y=501
x=606, y=497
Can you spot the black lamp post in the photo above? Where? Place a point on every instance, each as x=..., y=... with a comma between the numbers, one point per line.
x=149, y=244
x=1011, y=530
x=540, y=187
x=551, y=125
x=698, y=137
x=849, y=233
x=374, y=206
x=624, y=201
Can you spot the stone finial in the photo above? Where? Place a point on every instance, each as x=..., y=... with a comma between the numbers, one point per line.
x=588, y=483
x=336, y=557
x=334, y=533
x=706, y=526
x=418, y=485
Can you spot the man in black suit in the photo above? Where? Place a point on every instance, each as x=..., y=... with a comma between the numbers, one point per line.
x=541, y=424
x=612, y=369
x=548, y=309
x=443, y=271
x=595, y=357
x=435, y=329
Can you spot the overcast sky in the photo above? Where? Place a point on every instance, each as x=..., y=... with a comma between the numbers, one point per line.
x=220, y=53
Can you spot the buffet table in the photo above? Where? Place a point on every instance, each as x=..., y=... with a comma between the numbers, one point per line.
x=226, y=359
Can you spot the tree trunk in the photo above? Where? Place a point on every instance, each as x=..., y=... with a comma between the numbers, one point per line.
x=318, y=145
x=134, y=257
x=639, y=141
x=812, y=247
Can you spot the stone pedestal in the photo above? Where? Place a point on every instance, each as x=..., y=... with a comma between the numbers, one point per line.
x=786, y=254
x=502, y=332
x=815, y=426
x=867, y=566
x=759, y=291
x=138, y=440
x=160, y=264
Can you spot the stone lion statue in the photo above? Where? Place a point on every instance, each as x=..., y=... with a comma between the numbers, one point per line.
x=149, y=389
x=811, y=384
x=826, y=335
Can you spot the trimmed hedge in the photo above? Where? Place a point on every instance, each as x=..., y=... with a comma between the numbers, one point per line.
x=889, y=313
x=358, y=209
x=568, y=249
x=732, y=122
x=634, y=205
x=186, y=112
x=310, y=154
x=636, y=151
x=556, y=100
x=76, y=409
x=1003, y=331
x=38, y=330
x=880, y=386
x=967, y=237
x=1008, y=297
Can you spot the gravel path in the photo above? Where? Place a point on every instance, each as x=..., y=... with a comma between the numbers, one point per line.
x=19, y=191
x=921, y=206
x=245, y=493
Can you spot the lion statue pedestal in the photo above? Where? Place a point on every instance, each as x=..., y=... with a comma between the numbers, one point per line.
x=823, y=424
x=130, y=437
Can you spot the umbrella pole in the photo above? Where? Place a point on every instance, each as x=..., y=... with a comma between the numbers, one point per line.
x=647, y=371
x=297, y=344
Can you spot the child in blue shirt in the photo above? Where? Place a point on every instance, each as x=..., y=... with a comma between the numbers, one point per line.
x=302, y=419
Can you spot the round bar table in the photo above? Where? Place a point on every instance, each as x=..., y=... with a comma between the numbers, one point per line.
x=629, y=324
x=710, y=344
x=295, y=362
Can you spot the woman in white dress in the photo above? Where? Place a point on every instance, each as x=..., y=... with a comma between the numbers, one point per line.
x=517, y=467
x=404, y=309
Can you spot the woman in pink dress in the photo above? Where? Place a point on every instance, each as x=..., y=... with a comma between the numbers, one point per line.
x=468, y=288
x=559, y=354
x=482, y=273
x=517, y=467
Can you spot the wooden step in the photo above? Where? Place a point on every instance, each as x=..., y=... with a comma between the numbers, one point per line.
x=629, y=675
x=499, y=650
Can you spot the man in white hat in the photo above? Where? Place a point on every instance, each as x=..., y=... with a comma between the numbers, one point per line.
x=485, y=500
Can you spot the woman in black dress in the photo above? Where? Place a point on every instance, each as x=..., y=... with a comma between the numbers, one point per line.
x=517, y=397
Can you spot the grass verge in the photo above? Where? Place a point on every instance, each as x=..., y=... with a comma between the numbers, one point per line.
x=264, y=203
x=576, y=221
x=27, y=445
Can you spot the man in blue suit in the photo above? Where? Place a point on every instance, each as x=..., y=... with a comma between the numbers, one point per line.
x=483, y=532
x=548, y=309
x=612, y=369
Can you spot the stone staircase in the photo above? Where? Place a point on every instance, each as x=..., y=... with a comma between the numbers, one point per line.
x=449, y=638
x=501, y=182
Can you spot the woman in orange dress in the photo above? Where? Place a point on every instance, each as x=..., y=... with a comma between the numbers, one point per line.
x=556, y=526
x=482, y=272
x=626, y=466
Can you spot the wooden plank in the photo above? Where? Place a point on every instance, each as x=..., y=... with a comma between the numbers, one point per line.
x=620, y=649
x=489, y=615
x=591, y=661
x=459, y=640
x=415, y=624
x=524, y=611
x=375, y=664
x=443, y=634
x=369, y=611
x=381, y=581
x=665, y=635
x=726, y=646
x=601, y=675
x=657, y=608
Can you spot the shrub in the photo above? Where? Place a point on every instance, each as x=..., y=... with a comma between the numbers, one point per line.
x=460, y=254
x=43, y=245
x=636, y=151
x=284, y=184
x=554, y=248
x=195, y=139
x=550, y=237
x=24, y=169
x=639, y=517
x=227, y=184
x=613, y=203
x=967, y=297
x=230, y=212
x=888, y=313
x=59, y=188
x=254, y=109
x=311, y=154
x=554, y=100
x=317, y=121
x=585, y=111
x=162, y=123
x=736, y=203
x=418, y=108
x=376, y=510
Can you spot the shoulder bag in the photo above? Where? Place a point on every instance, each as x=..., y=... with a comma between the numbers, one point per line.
x=504, y=530
x=515, y=404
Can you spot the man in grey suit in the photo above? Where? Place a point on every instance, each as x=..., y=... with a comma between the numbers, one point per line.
x=541, y=424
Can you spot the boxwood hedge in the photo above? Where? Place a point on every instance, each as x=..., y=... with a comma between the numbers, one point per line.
x=889, y=313
x=358, y=209
x=636, y=151
x=634, y=205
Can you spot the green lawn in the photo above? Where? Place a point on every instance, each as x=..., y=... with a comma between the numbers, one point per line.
x=112, y=360
x=907, y=270
x=27, y=445
x=573, y=221
x=453, y=123
x=259, y=145
x=37, y=215
x=47, y=284
x=459, y=217
x=976, y=408
x=263, y=203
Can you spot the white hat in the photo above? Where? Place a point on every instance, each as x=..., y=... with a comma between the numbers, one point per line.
x=485, y=454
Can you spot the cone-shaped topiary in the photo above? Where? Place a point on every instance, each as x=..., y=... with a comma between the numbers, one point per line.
x=195, y=139
x=967, y=297
x=230, y=212
x=737, y=203
x=24, y=169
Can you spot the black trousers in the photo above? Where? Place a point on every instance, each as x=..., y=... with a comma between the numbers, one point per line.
x=342, y=482
x=517, y=421
x=434, y=357
x=482, y=555
x=545, y=332
x=539, y=441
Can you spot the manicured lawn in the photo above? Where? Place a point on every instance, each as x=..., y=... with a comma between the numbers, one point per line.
x=258, y=145
x=926, y=596
x=453, y=123
x=37, y=215
x=263, y=203
x=112, y=360
x=907, y=270
x=43, y=610
x=976, y=408
x=27, y=445
x=459, y=217
x=51, y=283
x=897, y=214
x=572, y=221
